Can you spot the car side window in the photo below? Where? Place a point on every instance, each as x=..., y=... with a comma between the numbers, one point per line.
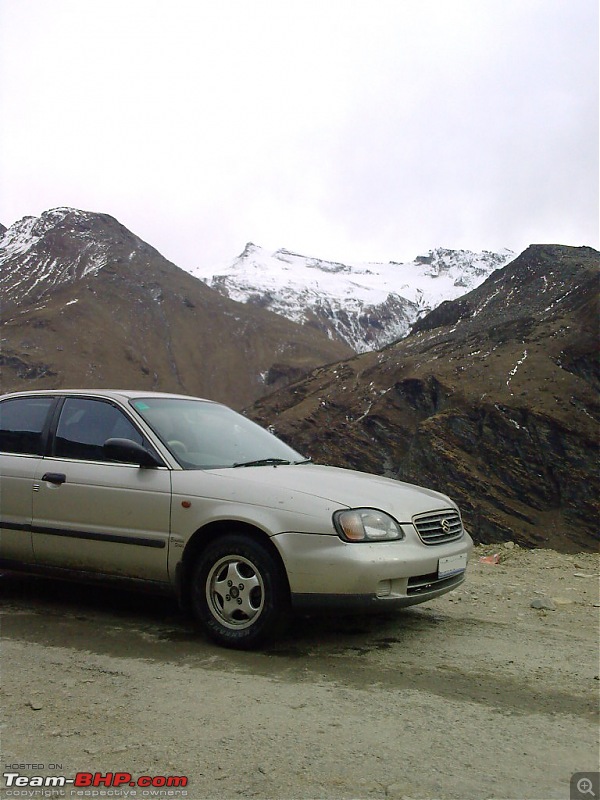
x=85, y=424
x=22, y=421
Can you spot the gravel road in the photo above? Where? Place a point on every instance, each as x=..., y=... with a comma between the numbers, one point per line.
x=474, y=695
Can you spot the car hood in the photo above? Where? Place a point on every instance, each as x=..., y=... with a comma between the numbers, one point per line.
x=342, y=487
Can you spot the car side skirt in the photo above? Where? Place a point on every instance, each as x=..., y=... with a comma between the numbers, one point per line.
x=83, y=576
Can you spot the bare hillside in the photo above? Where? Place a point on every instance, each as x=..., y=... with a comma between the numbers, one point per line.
x=493, y=399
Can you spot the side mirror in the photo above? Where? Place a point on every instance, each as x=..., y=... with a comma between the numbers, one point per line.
x=129, y=452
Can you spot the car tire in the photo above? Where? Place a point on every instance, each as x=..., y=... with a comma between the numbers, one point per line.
x=239, y=592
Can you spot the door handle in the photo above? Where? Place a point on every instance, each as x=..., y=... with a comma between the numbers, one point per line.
x=54, y=477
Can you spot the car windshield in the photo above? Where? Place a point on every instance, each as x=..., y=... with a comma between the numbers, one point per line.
x=205, y=435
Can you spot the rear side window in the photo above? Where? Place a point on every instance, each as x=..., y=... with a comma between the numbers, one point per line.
x=22, y=422
x=85, y=424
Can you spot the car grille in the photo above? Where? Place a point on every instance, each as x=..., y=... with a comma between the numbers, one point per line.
x=438, y=527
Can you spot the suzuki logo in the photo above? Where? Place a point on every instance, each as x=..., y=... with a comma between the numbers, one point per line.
x=446, y=526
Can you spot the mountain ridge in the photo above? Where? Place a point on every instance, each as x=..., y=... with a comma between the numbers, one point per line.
x=88, y=303
x=365, y=304
x=493, y=400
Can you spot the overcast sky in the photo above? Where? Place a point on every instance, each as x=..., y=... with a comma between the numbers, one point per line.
x=345, y=129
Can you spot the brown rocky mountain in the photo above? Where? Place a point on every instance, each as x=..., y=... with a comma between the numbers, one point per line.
x=87, y=303
x=492, y=398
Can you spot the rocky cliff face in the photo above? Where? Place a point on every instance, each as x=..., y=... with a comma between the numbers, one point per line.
x=87, y=303
x=492, y=399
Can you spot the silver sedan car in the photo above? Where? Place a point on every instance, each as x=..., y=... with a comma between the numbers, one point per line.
x=185, y=493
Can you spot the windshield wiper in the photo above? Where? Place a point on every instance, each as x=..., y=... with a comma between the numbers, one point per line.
x=262, y=462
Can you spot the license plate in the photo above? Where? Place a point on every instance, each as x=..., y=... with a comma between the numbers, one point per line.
x=451, y=565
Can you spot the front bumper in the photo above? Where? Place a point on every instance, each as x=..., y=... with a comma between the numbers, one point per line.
x=309, y=603
x=324, y=571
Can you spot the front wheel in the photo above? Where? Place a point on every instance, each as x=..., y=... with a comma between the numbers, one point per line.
x=239, y=592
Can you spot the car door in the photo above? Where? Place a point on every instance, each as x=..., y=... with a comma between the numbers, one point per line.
x=23, y=429
x=93, y=514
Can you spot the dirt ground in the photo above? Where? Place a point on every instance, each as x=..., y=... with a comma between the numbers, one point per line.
x=474, y=695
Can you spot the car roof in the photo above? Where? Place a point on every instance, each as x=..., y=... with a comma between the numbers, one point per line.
x=113, y=394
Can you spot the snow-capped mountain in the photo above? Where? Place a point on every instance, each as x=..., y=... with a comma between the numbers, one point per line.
x=363, y=305
x=63, y=245
x=86, y=302
x=367, y=305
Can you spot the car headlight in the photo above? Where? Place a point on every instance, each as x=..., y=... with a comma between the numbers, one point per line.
x=366, y=525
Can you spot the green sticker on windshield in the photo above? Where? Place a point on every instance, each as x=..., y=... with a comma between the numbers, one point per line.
x=141, y=406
